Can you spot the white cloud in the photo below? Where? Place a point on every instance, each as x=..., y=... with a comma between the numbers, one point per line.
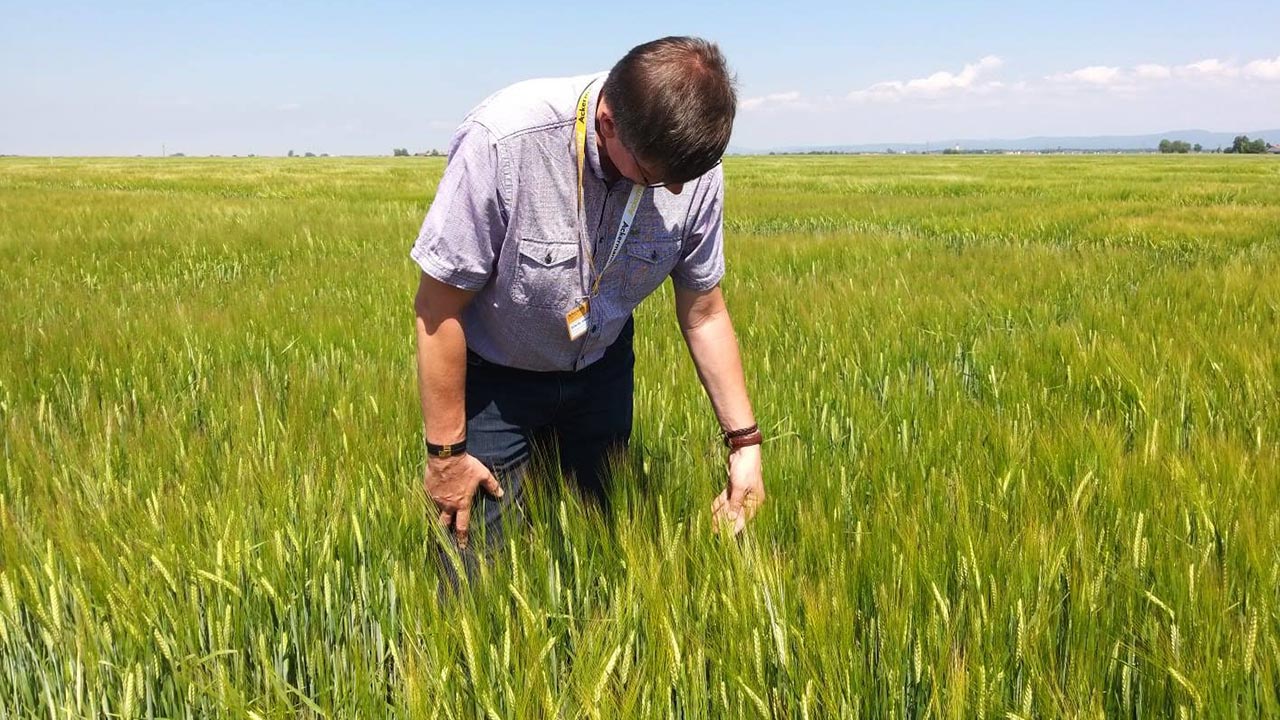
x=933, y=85
x=1092, y=75
x=1210, y=67
x=1265, y=69
x=1149, y=71
x=988, y=98
x=771, y=100
x=973, y=87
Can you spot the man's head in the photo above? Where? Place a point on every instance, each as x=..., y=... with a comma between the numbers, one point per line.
x=670, y=104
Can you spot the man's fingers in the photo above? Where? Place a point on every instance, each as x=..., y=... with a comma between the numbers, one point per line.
x=719, y=502
x=446, y=519
x=461, y=526
x=737, y=495
x=492, y=487
x=734, y=506
x=718, y=508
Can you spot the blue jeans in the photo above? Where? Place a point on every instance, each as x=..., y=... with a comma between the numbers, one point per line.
x=583, y=417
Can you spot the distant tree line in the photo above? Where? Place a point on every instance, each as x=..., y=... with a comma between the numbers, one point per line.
x=1178, y=146
x=1243, y=145
x=404, y=152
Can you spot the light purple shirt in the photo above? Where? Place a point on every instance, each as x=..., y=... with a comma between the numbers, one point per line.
x=505, y=223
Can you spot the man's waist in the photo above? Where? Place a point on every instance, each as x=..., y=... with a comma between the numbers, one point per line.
x=619, y=350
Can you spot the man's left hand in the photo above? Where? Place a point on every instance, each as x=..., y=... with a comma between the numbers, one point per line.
x=744, y=493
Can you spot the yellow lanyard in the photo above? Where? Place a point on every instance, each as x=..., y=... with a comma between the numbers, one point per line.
x=628, y=213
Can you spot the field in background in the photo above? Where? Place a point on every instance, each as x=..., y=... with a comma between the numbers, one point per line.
x=1022, y=462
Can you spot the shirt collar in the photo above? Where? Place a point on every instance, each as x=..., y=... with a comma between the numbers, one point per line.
x=593, y=150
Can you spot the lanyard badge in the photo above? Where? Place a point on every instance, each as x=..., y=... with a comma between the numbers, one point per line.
x=576, y=320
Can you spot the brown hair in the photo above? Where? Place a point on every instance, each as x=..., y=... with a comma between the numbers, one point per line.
x=673, y=101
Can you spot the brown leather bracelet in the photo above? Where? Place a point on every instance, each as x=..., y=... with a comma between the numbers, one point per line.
x=745, y=437
x=741, y=431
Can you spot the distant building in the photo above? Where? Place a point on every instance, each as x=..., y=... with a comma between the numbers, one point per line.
x=1274, y=149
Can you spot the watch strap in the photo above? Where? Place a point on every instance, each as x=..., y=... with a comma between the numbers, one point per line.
x=446, y=451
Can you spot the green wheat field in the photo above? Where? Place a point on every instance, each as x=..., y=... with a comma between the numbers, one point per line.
x=1022, y=459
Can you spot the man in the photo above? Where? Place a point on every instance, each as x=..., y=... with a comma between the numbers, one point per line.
x=565, y=202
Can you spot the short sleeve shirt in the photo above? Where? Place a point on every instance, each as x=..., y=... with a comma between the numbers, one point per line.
x=506, y=224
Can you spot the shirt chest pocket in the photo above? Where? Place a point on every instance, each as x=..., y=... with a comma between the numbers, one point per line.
x=546, y=274
x=647, y=264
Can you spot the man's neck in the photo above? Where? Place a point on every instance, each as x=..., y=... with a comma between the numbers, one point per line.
x=607, y=167
x=610, y=171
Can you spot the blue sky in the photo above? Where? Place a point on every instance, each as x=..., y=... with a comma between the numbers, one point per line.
x=239, y=77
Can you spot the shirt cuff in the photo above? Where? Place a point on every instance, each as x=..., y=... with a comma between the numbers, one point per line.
x=461, y=279
x=698, y=284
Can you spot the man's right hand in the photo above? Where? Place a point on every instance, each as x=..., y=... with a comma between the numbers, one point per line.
x=451, y=483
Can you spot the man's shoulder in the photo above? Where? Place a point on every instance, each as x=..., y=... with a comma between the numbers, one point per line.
x=530, y=105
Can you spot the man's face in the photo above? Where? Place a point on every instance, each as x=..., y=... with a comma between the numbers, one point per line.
x=628, y=165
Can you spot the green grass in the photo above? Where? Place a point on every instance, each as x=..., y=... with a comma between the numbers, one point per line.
x=1022, y=461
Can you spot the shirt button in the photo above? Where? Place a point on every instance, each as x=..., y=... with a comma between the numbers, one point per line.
x=653, y=255
x=547, y=259
x=595, y=329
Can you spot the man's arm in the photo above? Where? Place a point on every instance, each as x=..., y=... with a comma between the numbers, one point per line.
x=456, y=251
x=442, y=359
x=708, y=331
x=442, y=372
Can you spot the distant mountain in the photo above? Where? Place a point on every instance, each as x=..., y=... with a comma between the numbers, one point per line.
x=1207, y=139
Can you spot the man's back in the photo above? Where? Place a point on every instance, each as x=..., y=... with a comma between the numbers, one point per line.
x=542, y=103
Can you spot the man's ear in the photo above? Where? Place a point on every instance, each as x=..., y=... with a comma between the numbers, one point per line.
x=606, y=126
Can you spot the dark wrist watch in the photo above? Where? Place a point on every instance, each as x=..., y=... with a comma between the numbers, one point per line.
x=446, y=451
x=743, y=437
